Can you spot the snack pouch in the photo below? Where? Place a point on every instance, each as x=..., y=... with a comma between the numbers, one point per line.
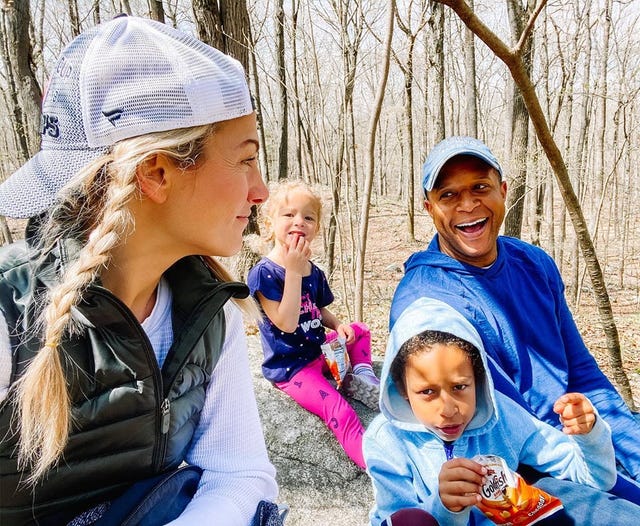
x=507, y=499
x=335, y=353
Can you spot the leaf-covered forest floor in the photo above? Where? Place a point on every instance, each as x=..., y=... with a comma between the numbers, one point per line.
x=388, y=246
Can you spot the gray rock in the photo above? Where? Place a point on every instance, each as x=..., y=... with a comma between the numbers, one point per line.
x=317, y=480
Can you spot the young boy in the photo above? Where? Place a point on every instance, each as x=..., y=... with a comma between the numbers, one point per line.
x=439, y=410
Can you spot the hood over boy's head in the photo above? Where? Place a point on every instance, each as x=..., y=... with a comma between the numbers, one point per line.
x=427, y=314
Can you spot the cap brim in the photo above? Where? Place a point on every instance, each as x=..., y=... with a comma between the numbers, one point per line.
x=445, y=159
x=34, y=187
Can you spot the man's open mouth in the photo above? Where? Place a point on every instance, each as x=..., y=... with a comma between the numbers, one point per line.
x=473, y=226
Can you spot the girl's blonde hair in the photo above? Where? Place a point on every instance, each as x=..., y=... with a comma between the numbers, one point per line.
x=279, y=194
x=93, y=208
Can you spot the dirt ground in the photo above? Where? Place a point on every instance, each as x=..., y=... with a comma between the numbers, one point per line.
x=388, y=246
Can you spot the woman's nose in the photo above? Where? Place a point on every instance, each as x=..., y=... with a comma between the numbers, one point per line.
x=258, y=191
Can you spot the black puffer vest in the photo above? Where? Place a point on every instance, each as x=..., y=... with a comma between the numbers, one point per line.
x=131, y=419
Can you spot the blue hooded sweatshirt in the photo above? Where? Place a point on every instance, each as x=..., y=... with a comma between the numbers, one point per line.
x=535, y=350
x=404, y=457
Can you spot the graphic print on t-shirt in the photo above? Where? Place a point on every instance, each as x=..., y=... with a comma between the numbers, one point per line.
x=310, y=316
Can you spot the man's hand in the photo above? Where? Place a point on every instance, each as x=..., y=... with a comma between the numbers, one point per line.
x=459, y=483
x=577, y=415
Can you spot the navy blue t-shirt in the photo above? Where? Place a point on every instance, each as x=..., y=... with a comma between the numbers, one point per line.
x=286, y=353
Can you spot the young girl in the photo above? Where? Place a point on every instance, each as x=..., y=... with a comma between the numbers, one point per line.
x=120, y=356
x=294, y=295
x=439, y=410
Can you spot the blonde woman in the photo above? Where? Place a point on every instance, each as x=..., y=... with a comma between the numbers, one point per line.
x=120, y=356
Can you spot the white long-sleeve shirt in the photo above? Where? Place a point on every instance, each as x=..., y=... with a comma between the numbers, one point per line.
x=228, y=443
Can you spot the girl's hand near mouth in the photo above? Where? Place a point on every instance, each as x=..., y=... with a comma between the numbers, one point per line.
x=297, y=254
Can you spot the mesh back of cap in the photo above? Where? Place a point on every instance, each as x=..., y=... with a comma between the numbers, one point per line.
x=121, y=79
x=141, y=81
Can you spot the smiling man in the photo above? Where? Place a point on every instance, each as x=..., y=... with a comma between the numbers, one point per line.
x=513, y=294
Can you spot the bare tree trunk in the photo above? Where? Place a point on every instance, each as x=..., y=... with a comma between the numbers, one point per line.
x=236, y=30
x=336, y=184
x=312, y=160
x=126, y=7
x=512, y=57
x=519, y=139
x=579, y=161
x=156, y=11
x=436, y=61
x=351, y=27
x=410, y=177
x=264, y=153
x=541, y=188
x=74, y=18
x=601, y=101
x=296, y=90
x=5, y=232
x=470, y=91
x=569, y=70
x=96, y=12
x=206, y=14
x=407, y=70
x=366, y=194
x=628, y=208
x=283, y=149
x=24, y=92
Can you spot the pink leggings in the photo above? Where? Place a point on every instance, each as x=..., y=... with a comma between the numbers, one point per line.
x=313, y=391
x=410, y=517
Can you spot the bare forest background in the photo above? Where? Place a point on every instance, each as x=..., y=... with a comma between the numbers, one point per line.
x=352, y=94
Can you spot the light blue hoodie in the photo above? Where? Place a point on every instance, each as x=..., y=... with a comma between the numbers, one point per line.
x=404, y=458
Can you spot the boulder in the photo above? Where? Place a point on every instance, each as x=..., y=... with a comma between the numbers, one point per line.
x=317, y=480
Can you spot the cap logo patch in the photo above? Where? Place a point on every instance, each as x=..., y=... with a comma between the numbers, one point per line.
x=50, y=126
x=113, y=115
x=64, y=68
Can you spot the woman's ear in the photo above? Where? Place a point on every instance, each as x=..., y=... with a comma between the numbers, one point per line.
x=154, y=177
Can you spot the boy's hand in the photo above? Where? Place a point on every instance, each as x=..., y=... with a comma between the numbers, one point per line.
x=577, y=415
x=459, y=483
x=346, y=331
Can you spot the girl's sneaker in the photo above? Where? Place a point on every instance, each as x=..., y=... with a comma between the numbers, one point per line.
x=363, y=385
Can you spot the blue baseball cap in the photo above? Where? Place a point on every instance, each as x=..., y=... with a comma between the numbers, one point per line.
x=449, y=148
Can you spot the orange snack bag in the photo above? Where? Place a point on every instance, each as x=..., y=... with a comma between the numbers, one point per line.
x=335, y=353
x=507, y=499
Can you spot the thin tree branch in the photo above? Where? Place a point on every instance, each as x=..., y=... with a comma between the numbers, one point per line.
x=529, y=27
x=493, y=42
x=366, y=194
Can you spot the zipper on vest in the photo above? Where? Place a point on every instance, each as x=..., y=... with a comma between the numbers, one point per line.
x=162, y=410
x=165, y=409
x=163, y=388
